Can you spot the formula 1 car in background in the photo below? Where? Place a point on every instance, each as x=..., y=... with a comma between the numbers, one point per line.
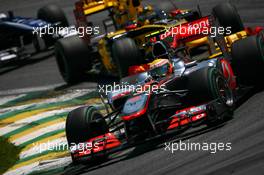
x=128, y=18
x=183, y=87
x=17, y=33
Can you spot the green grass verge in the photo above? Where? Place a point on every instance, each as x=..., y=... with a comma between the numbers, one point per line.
x=9, y=154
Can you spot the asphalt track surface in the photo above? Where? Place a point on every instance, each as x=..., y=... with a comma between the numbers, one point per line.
x=245, y=131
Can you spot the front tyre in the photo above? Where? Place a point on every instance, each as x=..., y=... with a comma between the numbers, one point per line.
x=83, y=124
x=208, y=84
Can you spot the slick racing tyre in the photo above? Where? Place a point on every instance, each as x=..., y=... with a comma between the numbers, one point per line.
x=83, y=124
x=52, y=14
x=208, y=84
x=72, y=55
x=227, y=16
x=248, y=59
x=126, y=53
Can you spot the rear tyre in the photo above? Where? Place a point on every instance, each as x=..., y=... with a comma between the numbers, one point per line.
x=52, y=14
x=126, y=54
x=72, y=55
x=83, y=124
x=248, y=59
x=228, y=16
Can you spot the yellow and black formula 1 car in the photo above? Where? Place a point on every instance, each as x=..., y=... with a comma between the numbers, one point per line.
x=129, y=19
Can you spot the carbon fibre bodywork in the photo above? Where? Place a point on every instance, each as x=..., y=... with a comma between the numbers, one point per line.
x=201, y=88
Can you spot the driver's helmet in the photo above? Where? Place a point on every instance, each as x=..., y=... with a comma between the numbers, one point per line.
x=161, y=67
x=3, y=16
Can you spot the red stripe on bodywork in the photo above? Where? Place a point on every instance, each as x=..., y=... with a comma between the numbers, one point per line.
x=108, y=141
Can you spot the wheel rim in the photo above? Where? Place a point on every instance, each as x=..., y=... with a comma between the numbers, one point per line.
x=224, y=91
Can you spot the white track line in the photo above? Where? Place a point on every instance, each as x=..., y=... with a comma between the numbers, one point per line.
x=23, y=170
x=40, y=132
x=41, y=165
x=5, y=99
x=51, y=145
x=21, y=123
x=29, y=89
x=61, y=98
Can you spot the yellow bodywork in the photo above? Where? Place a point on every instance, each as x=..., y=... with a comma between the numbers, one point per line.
x=233, y=38
x=205, y=41
x=123, y=10
x=106, y=58
x=91, y=7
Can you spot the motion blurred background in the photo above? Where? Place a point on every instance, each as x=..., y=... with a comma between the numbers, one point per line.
x=42, y=72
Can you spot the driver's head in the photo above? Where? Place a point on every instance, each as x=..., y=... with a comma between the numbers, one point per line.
x=161, y=67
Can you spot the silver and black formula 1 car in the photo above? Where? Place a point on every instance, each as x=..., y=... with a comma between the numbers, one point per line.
x=193, y=79
x=182, y=87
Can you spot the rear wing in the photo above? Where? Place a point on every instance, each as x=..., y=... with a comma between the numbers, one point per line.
x=93, y=6
x=84, y=8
